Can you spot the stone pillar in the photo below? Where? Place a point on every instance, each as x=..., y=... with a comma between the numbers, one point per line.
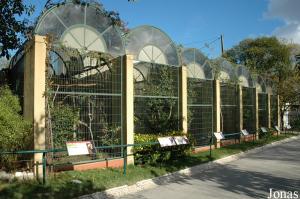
x=278, y=112
x=256, y=114
x=183, y=99
x=269, y=110
x=128, y=104
x=217, y=109
x=34, y=92
x=240, y=100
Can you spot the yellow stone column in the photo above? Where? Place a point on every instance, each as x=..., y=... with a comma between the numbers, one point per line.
x=256, y=114
x=269, y=110
x=240, y=100
x=34, y=91
x=183, y=99
x=128, y=104
x=217, y=110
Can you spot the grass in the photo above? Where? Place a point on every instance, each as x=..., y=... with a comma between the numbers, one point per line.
x=60, y=185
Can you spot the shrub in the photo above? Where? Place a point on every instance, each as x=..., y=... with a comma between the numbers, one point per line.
x=64, y=119
x=153, y=154
x=15, y=132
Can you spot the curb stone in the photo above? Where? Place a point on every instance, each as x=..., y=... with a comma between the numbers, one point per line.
x=184, y=173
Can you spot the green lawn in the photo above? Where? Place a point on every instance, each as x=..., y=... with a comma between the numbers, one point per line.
x=60, y=185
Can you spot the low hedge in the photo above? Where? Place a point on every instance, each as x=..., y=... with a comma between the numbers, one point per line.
x=153, y=154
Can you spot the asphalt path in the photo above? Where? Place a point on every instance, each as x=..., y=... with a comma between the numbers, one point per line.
x=276, y=168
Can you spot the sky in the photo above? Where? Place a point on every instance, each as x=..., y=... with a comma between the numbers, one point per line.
x=199, y=23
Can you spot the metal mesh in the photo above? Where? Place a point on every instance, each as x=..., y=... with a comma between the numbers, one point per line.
x=249, y=109
x=200, y=110
x=198, y=66
x=155, y=98
x=274, y=110
x=17, y=78
x=263, y=110
x=150, y=44
x=244, y=76
x=229, y=108
x=81, y=26
x=85, y=105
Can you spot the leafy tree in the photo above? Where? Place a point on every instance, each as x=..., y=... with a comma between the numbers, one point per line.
x=264, y=55
x=272, y=59
x=12, y=29
x=15, y=132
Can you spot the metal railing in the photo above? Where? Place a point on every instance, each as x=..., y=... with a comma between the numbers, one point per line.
x=44, y=153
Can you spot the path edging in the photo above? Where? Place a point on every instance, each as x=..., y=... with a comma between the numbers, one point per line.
x=157, y=181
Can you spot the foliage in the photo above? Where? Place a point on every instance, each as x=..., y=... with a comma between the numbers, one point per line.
x=159, y=114
x=64, y=120
x=12, y=29
x=153, y=154
x=272, y=59
x=111, y=135
x=14, y=130
x=263, y=54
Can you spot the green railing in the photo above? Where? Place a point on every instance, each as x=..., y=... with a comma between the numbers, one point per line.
x=45, y=152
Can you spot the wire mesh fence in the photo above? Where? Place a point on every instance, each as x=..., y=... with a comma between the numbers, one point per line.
x=263, y=110
x=229, y=108
x=274, y=110
x=84, y=103
x=249, y=109
x=155, y=98
x=200, y=110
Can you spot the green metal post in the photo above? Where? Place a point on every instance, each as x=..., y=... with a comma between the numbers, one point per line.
x=37, y=169
x=211, y=142
x=44, y=168
x=124, y=160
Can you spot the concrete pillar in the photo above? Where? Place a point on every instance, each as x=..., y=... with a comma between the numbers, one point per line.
x=183, y=99
x=217, y=109
x=240, y=100
x=278, y=112
x=269, y=110
x=256, y=114
x=128, y=104
x=34, y=92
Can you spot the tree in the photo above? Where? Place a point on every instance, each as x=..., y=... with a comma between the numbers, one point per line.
x=272, y=59
x=12, y=29
x=15, y=132
x=264, y=55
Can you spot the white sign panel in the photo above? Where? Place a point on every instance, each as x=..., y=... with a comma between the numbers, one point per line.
x=245, y=132
x=219, y=135
x=79, y=148
x=264, y=130
x=181, y=140
x=166, y=141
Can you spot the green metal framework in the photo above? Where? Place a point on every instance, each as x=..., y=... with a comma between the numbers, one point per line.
x=263, y=110
x=274, y=110
x=249, y=109
x=229, y=108
x=155, y=98
x=85, y=104
x=200, y=110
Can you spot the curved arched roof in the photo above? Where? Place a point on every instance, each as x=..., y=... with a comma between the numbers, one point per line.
x=150, y=44
x=81, y=26
x=226, y=70
x=244, y=76
x=198, y=66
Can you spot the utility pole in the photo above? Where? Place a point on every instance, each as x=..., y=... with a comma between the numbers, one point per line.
x=222, y=44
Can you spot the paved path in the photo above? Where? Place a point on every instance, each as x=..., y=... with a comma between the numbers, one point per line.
x=250, y=177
